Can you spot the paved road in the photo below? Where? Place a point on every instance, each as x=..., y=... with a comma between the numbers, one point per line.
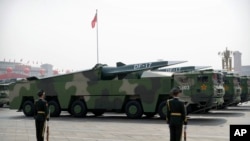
x=214, y=126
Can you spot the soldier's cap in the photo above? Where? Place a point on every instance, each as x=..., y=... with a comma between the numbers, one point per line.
x=40, y=92
x=175, y=90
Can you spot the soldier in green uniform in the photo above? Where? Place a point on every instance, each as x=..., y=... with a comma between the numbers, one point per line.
x=41, y=115
x=176, y=115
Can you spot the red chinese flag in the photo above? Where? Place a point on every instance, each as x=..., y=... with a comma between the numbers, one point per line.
x=94, y=21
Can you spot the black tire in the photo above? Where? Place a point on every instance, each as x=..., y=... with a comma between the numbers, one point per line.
x=54, y=108
x=28, y=108
x=78, y=109
x=207, y=110
x=149, y=115
x=98, y=112
x=133, y=109
x=1, y=105
x=69, y=111
x=162, y=110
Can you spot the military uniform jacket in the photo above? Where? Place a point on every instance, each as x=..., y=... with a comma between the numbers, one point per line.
x=41, y=110
x=176, y=112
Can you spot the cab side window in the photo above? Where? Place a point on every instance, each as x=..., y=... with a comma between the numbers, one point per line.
x=183, y=80
x=202, y=79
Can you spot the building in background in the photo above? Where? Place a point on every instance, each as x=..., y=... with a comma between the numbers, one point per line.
x=245, y=70
x=231, y=61
x=14, y=70
x=237, y=61
x=226, y=60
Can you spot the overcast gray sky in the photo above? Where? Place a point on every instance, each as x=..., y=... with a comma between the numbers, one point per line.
x=131, y=31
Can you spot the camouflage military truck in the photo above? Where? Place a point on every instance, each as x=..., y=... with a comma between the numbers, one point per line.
x=4, y=94
x=232, y=89
x=131, y=89
x=205, y=87
x=245, y=87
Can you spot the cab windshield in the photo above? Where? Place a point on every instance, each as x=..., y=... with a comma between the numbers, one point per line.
x=236, y=81
x=218, y=78
x=3, y=87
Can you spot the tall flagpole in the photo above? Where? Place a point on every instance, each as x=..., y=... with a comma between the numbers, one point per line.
x=97, y=38
x=94, y=23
